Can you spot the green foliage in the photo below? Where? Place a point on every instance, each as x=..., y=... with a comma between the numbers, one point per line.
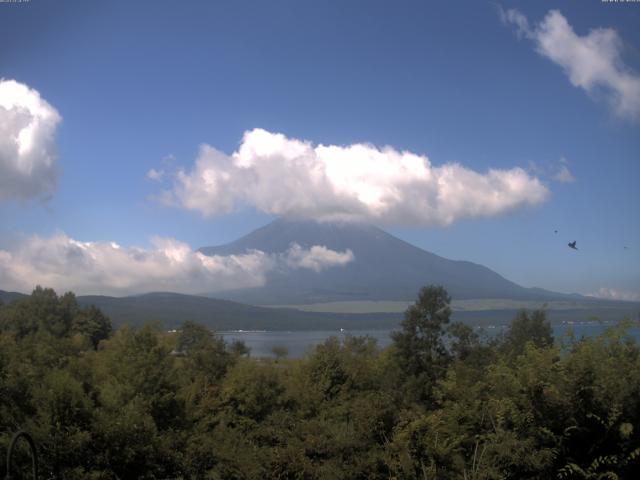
x=237, y=349
x=194, y=337
x=528, y=327
x=45, y=313
x=280, y=351
x=440, y=403
x=91, y=323
x=419, y=347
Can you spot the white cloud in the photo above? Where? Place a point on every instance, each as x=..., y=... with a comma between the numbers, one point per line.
x=564, y=175
x=27, y=143
x=359, y=182
x=615, y=294
x=107, y=268
x=592, y=62
x=556, y=171
x=535, y=168
x=518, y=19
x=317, y=258
x=155, y=175
x=159, y=174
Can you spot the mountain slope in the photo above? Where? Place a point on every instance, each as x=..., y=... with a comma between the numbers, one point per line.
x=384, y=268
x=7, y=297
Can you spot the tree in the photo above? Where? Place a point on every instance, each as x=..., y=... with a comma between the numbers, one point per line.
x=137, y=409
x=464, y=340
x=326, y=369
x=93, y=324
x=61, y=426
x=237, y=349
x=44, y=312
x=280, y=352
x=419, y=346
x=193, y=337
x=527, y=327
x=206, y=352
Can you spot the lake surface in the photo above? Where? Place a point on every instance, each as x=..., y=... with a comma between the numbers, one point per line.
x=299, y=343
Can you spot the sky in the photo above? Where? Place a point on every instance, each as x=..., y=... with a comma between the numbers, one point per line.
x=133, y=133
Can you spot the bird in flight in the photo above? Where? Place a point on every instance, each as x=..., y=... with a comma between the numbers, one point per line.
x=573, y=245
x=555, y=231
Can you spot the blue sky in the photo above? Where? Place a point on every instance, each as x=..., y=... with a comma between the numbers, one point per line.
x=136, y=82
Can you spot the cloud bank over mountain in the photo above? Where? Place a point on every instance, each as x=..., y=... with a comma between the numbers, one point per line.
x=359, y=182
x=28, y=125
x=107, y=268
x=616, y=294
x=592, y=62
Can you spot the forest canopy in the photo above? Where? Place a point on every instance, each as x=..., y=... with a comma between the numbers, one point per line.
x=442, y=401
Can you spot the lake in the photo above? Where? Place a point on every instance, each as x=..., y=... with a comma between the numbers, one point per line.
x=299, y=342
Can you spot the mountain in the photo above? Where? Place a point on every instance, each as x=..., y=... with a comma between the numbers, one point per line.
x=7, y=297
x=384, y=268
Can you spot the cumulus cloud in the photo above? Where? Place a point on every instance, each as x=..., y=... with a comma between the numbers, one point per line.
x=317, y=258
x=615, y=294
x=359, y=182
x=107, y=268
x=27, y=143
x=592, y=62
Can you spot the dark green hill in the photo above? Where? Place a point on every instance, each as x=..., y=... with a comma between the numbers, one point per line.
x=7, y=297
x=172, y=309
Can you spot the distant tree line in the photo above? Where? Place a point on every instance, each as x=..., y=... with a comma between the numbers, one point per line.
x=441, y=402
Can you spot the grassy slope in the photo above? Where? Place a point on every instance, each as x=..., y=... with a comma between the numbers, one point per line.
x=173, y=309
x=470, y=305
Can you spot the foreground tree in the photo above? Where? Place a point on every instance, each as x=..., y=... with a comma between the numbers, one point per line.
x=528, y=327
x=440, y=402
x=419, y=346
x=46, y=313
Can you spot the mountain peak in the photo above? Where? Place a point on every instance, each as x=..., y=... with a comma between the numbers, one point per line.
x=384, y=267
x=278, y=235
